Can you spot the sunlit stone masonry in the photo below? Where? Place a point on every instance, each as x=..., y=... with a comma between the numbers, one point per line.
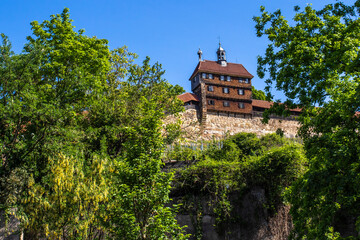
x=218, y=126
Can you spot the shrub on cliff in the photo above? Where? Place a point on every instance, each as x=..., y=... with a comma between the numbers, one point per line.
x=225, y=150
x=272, y=163
x=277, y=169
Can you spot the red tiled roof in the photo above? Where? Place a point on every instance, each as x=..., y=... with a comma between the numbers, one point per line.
x=261, y=103
x=296, y=110
x=232, y=69
x=187, y=97
x=267, y=105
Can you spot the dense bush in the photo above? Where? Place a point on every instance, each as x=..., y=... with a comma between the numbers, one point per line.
x=248, y=143
x=181, y=153
x=227, y=150
x=277, y=169
x=242, y=161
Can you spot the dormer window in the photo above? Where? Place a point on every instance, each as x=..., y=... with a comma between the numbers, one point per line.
x=222, y=77
x=211, y=76
x=241, y=91
x=203, y=75
x=225, y=90
x=228, y=78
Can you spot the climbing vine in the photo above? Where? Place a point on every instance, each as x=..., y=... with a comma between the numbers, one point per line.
x=222, y=176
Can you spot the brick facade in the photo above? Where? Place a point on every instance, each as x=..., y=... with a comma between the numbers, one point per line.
x=222, y=88
x=233, y=106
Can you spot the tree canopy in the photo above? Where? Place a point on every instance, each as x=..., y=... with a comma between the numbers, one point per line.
x=315, y=60
x=257, y=94
x=81, y=139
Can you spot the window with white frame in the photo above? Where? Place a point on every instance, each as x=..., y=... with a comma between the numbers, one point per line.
x=241, y=91
x=211, y=76
x=225, y=90
x=228, y=78
x=247, y=80
x=226, y=104
x=211, y=102
x=241, y=105
x=210, y=88
x=241, y=80
x=222, y=77
x=203, y=75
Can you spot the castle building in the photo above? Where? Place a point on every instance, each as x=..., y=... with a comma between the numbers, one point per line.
x=222, y=88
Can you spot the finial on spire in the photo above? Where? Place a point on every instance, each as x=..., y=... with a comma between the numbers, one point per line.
x=200, y=55
x=221, y=55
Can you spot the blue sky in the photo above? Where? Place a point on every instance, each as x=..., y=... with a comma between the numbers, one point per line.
x=168, y=31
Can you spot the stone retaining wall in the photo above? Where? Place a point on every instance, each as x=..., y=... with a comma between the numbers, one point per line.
x=220, y=126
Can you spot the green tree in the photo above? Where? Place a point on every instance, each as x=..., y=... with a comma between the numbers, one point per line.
x=314, y=60
x=43, y=93
x=80, y=138
x=257, y=94
x=127, y=123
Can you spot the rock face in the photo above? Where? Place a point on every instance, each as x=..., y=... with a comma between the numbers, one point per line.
x=11, y=230
x=252, y=220
x=218, y=126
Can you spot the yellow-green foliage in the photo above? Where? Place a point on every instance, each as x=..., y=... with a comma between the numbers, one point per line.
x=67, y=206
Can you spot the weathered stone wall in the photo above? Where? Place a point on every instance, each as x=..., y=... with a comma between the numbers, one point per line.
x=251, y=219
x=254, y=221
x=222, y=125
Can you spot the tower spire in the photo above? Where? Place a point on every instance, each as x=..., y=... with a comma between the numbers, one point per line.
x=221, y=55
